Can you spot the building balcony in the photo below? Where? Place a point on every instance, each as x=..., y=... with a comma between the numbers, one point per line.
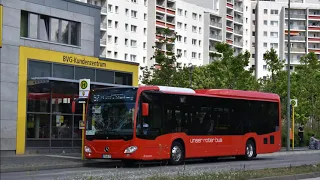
x=240, y=32
x=229, y=29
x=314, y=17
x=170, y=26
x=238, y=43
x=229, y=41
x=216, y=24
x=316, y=51
x=314, y=39
x=161, y=9
x=296, y=16
x=171, y=11
x=229, y=16
x=216, y=37
x=238, y=20
x=312, y=27
x=103, y=42
x=296, y=27
x=238, y=8
x=296, y=49
x=104, y=11
x=160, y=23
x=229, y=5
x=103, y=26
x=296, y=38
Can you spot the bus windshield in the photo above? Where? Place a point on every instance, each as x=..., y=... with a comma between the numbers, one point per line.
x=111, y=114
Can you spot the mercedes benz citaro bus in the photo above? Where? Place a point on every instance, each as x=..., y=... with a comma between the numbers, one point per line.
x=148, y=123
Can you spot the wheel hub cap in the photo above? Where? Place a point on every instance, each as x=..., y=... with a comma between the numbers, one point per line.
x=176, y=153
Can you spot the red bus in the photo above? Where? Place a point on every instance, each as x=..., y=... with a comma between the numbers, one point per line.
x=180, y=123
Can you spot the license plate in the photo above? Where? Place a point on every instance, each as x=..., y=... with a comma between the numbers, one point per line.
x=106, y=156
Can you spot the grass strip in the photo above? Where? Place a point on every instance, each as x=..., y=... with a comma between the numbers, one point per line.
x=245, y=175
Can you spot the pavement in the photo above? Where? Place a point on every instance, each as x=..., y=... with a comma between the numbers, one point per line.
x=70, y=166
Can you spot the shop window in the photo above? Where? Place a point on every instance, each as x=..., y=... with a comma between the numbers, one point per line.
x=104, y=76
x=123, y=78
x=81, y=73
x=39, y=69
x=38, y=130
x=63, y=71
x=62, y=129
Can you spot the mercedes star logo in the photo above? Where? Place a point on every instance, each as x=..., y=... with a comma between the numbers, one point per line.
x=106, y=149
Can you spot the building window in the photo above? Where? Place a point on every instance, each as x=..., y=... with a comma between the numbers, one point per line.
x=126, y=41
x=145, y=31
x=47, y=28
x=179, y=38
x=274, y=34
x=125, y=56
x=133, y=43
x=265, y=22
x=126, y=26
x=116, y=24
x=199, y=42
x=145, y=16
x=200, y=30
x=199, y=56
x=265, y=45
x=274, y=45
x=133, y=28
x=185, y=13
x=109, y=7
x=200, y=17
x=144, y=45
x=134, y=1
x=274, y=12
x=115, y=55
x=144, y=59
x=253, y=11
x=265, y=33
x=185, y=26
x=253, y=33
x=179, y=52
x=194, y=55
x=265, y=11
x=133, y=57
x=194, y=29
x=185, y=39
x=145, y=3
x=110, y=23
x=117, y=9
x=127, y=12
x=185, y=53
x=274, y=23
x=109, y=39
x=134, y=14
x=115, y=40
x=179, y=25
x=180, y=12
x=194, y=42
x=194, y=16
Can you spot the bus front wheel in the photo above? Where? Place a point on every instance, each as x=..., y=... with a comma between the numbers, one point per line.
x=177, y=153
x=250, y=150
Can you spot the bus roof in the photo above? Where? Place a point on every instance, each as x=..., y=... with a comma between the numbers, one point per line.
x=239, y=94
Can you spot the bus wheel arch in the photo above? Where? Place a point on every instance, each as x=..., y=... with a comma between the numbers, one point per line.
x=177, y=152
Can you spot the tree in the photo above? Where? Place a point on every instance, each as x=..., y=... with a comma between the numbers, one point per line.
x=165, y=67
x=307, y=77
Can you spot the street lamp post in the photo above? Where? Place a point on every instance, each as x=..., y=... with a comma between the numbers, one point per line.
x=288, y=69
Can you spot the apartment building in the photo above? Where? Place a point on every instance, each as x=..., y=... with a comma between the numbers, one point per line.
x=271, y=30
x=128, y=28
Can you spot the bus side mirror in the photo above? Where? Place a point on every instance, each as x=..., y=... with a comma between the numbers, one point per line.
x=145, y=109
x=73, y=107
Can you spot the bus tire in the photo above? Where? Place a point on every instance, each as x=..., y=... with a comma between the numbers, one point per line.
x=177, y=153
x=250, y=150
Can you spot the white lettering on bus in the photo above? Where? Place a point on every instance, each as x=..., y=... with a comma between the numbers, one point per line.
x=206, y=140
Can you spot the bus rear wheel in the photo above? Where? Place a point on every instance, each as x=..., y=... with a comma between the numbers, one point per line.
x=177, y=153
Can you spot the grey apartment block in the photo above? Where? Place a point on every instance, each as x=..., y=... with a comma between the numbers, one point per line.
x=87, y=15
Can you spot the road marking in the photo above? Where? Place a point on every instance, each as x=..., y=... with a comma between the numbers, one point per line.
x=67, y=157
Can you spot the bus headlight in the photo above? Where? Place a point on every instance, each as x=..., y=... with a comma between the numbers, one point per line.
x=130, y=149
x=87, y=149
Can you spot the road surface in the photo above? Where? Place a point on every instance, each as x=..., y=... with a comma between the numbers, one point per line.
x=101, y=171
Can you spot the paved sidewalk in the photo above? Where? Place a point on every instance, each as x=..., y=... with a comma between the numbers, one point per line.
x=58, y=161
